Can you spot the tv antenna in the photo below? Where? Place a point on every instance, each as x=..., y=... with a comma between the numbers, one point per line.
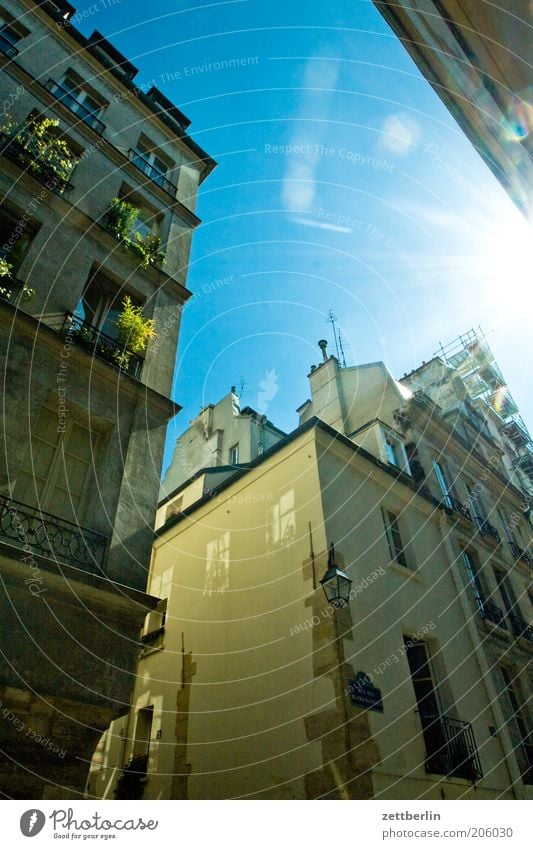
x=332, y=319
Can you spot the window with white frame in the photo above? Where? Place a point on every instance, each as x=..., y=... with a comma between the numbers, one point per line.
x=233, y=454
x=394, y=537
x=395, y=450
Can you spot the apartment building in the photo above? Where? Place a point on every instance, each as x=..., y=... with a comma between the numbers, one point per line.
x=347, y=614
x=98, y=187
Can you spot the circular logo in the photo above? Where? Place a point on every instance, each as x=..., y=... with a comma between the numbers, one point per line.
x=32, y=822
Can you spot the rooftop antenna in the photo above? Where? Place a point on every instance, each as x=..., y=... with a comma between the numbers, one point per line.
x=332, y=319
x=241, y=389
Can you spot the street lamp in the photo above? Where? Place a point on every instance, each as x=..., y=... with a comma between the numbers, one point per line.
x=336, y=583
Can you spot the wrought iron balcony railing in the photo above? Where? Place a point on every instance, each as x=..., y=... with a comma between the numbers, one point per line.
x=101, y=345
x=492, y=613
x=487, y=529
x=48, y=536
x=65, y=96
x=153, y=173
x=458, y=507
x=451, y=747
x=520, y=627
x=25, y=157
x=519, y=553
x=7, y=47
x=11, y=289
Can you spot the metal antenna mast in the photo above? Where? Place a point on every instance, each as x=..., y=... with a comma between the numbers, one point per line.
x=332, y=319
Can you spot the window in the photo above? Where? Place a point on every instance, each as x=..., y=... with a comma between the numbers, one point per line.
x=151, y=162
x=506, y=592
x=56, y=468
x=427, y=699
x=154, y=627
x=394, y=538
x=523, y=738
x=71, y=91
x=14, y=245
x=234, y=454
x=174, y=509
x=474, y=579
x=143, y=732
x=11, y=32
x=442, y=481
x=475, y=506
x=101, y=304
x=395, y=450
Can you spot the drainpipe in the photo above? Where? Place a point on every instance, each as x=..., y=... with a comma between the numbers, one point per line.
x=486, y=675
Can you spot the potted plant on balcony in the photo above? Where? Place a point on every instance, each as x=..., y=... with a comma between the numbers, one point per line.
x=121, y=219
x=46, y=152
x=134, y=332
x=6, y=290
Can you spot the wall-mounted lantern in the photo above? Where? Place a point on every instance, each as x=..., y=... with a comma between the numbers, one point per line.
x=336, y=583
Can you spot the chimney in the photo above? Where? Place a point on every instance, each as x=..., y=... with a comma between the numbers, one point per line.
x=323, y=345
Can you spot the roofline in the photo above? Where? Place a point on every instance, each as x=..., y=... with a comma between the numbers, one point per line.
x=313, y=423
x=207, y=162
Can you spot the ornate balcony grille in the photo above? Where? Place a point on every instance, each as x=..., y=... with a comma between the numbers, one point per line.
x=458, y=507
x=519, y=553
x=153, y=173
x=65, y=96
x=25, y=157
x=48, y=536
x=101, y=345
x=492, y=613
x=451, y=748
x=520, y=627
x=487, y=529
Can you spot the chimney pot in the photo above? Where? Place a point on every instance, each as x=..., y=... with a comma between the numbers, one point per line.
x=323, y=345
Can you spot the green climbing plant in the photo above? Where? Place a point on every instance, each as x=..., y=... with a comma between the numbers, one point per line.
x=121, y=219
x=47, y=152
x=6, y=291
x=134, y=331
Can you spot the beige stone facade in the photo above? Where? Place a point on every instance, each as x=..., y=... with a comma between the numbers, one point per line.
x=248, y=683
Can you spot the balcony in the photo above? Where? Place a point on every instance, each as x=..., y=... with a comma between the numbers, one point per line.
x=7, y=47
x=152, y=173
x=487, y=529
x=455, y=505
x=63, y=95
x=491, y=613
x=520, y=627
x=101, y=345
x=451, y=748
x=519, y=553
x=517, y=432
x=525, y=463
x=11, y=289
x=45, y=535
x=26, y=157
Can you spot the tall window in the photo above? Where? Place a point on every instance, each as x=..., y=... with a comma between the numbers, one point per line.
x=427, y=699
x=55, y=470
x=522, y=735
x=474, y=579
x=475, y=505
x=13, y=244
x=442, y=480
x=394, y=538
x=151, y=161
x=101, y=304
x=506, y=592
x=78, y=99
x=233, y=454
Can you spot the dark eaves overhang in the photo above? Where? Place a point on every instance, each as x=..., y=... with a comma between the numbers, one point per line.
x=61, y=13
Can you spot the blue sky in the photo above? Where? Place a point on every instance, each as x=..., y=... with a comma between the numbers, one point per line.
x=343, y=183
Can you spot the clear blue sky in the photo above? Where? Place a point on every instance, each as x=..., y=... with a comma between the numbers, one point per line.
x=384, y=213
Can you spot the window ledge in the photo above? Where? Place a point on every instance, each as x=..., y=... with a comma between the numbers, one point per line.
x=407, y=573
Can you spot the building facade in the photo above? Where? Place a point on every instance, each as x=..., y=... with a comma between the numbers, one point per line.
x=98, y=192
x=477, y=57
x=254, y=685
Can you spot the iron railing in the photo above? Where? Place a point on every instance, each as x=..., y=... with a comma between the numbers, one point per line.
x=45, y=535
x=520, y=627
x=458, y=507
x=65, y=96
x=7, y=47
x=489, y=611
x=487, y=529
x=11, y=289
x=102, y=345
x=451, y=747
x=153, y=173
x=519, y=553
x=23, y=155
